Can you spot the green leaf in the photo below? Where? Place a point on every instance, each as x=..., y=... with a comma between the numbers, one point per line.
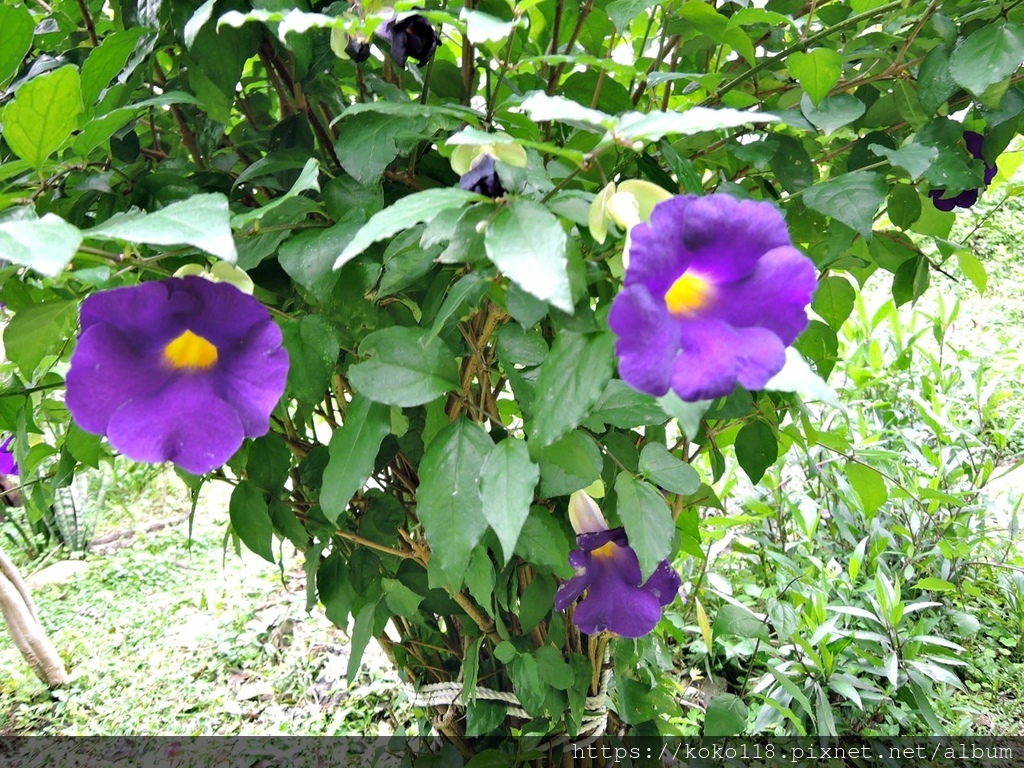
x=621, y=12
x=647, y=519
x=833, y=301
x=250, y=519
x=933, y=584
x=16, y=30
x=353, y=448
x=45, y=245
x=308, y=180
x=817, y=71
x=820, y=345
x=622, y=406
x=641, y=126
x=449, y=503
x=740, y=622
x=362, y=631
x=869, y=486
x=202, y=221
x=43, y=114
x=537, y=601
x=726, y=715
x=990, y=53
x=417, y=208
x=757, y=448
x=106, y=61
x=904, y=205
x=527, y=243
x=832, y=112
x=571, y=380
x=507, y=483
x=543, y=544
x=312, y=345
x=572, y=463
x=973, y=269
x=667, y=471
x=405, y=367
x=83, y=446
x=542, y=108
x=688, y=415
x=915, y=159
x=852, y=198
x=935, y=83
x=334, y=585
x=37, y=330
x=911, y=280
x=400, y=600
x=308, y=257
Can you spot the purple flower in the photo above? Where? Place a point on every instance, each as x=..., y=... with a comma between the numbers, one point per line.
x=482, y=178
x=8, y=466
x=410, y=36
x=180, y=370
x=618, y=599
x=714, y=293
x=975, y=144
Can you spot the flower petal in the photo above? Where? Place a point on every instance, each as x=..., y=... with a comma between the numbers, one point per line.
x=716, y=356
x=664, y=583
x=185, y=423
x=110, y=367
x=570, y=590
x=774, y=296
x=253, y=377
x=648, y=339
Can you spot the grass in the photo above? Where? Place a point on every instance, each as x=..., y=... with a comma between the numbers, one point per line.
x=174, y=636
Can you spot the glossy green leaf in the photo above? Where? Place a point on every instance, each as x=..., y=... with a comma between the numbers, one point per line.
x=404, y=366
x=202, y=221
x=507, y=483
x=852, y=198
x=16, y=30
x=571, y=380
x=832, y=112
x=417, y=208
x=353, y=447
x=973, y=269
x=869, y=486
x=38, y=330
x=43, y=114
x=817, y=71
x=833, y=301
x=250, y=519
x=312, y=345
x=726, y=715
x=647, y=519
x=667, y=471
x=449, y=501
x=46, y=244
x=757, y=448
x=990, y=53
x=527, y=243
x=915, y=159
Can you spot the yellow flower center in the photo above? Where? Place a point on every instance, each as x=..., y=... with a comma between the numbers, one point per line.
x=605, y=552
x=688, y=294
x=191, y=352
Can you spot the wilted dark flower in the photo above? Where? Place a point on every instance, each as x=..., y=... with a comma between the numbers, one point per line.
x=357, y=50
x=975, y=144
x=618, y=600
x=410, y=36
x=714, y=293
x=482, y=178
x=179, y=370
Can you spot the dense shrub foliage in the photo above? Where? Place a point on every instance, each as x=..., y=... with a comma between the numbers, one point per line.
x=512, y=251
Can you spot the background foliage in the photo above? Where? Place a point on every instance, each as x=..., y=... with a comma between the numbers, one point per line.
x=452, y=376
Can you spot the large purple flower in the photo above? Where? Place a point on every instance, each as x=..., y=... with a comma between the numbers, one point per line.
x=8, y=466
x=975, y=145
x=618, y=600
x=180, y=370
x=714, y=293
x=482, y=178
